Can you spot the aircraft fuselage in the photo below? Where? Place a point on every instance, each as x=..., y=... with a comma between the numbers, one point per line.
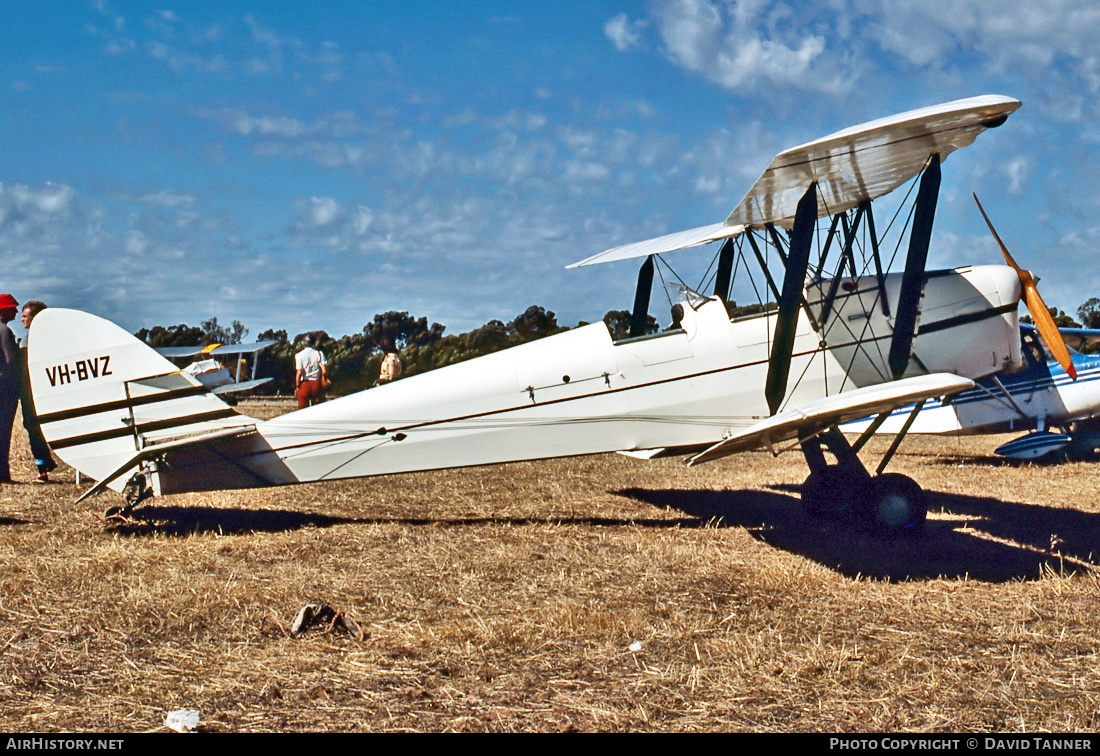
x=579, y=392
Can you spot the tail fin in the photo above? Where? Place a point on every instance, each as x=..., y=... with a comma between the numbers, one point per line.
x=102, y=396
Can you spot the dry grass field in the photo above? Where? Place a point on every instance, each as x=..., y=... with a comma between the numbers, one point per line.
x=592, y=594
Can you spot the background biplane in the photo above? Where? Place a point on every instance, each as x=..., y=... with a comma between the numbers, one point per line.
x=224, y=365
x=841, y=342
x=1038, y=397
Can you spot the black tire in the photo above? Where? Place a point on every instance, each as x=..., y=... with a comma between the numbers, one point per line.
x=896, y=505
x=834, y=492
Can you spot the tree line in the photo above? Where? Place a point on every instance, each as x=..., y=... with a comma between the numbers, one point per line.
x=1088, y=314
x=354, y=360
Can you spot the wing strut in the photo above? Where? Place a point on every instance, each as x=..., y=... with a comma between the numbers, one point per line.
x=763, y=263
x=849, y=241
x=828, y=243
x=897, y=439
x=845, y=256
x=641, y=299
x=912, y=280
x=725, y=271
x=794, y=280
x=879, y=275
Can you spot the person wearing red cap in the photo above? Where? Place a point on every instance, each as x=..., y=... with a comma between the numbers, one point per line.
x=9, y=381
x=40, y=450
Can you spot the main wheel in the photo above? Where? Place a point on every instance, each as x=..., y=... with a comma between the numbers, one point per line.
x=834, y=492
x=896, y=504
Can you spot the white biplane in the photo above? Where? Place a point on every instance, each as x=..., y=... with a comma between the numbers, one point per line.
x=711, y=386
x=215, y=374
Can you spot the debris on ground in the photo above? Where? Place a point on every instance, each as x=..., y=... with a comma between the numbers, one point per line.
x=182, y=720
x=325, y=618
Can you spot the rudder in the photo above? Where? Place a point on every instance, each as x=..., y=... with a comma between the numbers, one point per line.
x=101, y=395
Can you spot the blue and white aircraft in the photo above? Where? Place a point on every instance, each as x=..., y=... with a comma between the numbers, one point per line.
x=1038, y=397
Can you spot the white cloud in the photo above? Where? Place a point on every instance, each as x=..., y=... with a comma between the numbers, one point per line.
x=737, y=46
x=1003, y=34
x=323, y=211
x=136, y=243
x=24, y=200
x=168, y=198
x=839, y=48
x=624, y=33
x=586, y=171
x=1017, y=171
x=282, y=126
x=363, y=219
x=180, y=61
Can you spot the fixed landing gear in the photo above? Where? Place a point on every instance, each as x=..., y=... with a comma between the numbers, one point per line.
x=888, y=502
x=896, y=503
x=137, y=490
x=834, y=492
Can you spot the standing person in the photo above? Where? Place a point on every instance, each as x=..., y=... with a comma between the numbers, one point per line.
x=391, y=364
x=9, y=381
x=310, y=375
x=43, y=460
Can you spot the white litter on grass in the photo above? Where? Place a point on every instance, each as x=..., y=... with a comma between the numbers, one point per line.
x=635, y=647
x=182, y=720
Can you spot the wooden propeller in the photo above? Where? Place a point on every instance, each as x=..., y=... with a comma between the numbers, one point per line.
x=1035, y=305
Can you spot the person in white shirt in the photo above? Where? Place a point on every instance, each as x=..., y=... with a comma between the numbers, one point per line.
x=310, y=375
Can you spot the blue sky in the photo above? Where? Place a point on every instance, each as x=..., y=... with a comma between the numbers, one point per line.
x=307, y=165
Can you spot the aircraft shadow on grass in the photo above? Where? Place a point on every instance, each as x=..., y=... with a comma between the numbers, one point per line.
x=977, y=537
x=966, y=460
x=180, y=521
x=173, y=520
x=969, y=536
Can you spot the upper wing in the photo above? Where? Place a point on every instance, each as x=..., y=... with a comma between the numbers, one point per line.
x=669, y=243
x=1079, y=338
x=242, y=348
x=180, y=351
x=860, y=163
x=813, y=417
x=866, y=161
x=219, y=349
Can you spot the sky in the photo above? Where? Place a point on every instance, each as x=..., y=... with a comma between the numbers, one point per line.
x=305, y=166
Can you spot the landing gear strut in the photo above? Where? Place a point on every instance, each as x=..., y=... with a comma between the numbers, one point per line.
x=889, y=503
x=137, y=490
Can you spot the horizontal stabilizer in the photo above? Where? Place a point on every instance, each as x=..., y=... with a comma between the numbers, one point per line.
x=811, y=418
x=157, y=450
x=232, y=388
